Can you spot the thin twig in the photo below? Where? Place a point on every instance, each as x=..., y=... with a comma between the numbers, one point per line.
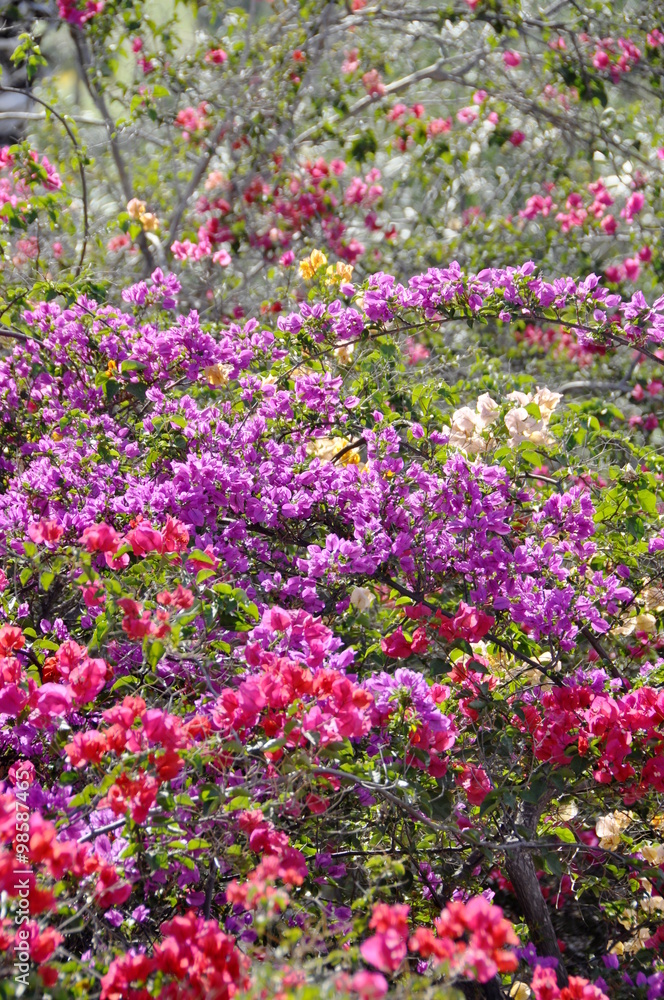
x=98, y=98
x=40, y=116
x=102, y=829
x=194, y=181
x=79, y=158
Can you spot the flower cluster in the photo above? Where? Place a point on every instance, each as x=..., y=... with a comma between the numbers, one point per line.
x=473, y=938
x=193, y=952
x=214, y=547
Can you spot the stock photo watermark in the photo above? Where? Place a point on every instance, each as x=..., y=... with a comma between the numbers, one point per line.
x=22, y=874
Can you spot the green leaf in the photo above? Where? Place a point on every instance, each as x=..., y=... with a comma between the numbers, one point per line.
x=531, y=457
x=155, y=652
x=490, y=802
x=552, y=863
x=365, y=145
x=648, y=501
x=204, y=557
x=137, y=389
x=123, y=682
x=565, y=834
x=110, y=388
x=239, y=802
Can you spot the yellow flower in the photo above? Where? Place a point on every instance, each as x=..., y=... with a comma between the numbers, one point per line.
x=135, y=209
x=112, y=367
x=340, y=272
x=149, y=221
x=311, y=264
x=327, y=449
x=217, y=374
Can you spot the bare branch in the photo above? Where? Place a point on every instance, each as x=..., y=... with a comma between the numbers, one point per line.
x=100, y=103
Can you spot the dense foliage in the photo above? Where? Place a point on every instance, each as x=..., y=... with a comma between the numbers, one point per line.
x=331, y=493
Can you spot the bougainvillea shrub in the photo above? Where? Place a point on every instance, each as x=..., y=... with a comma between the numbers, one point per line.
x=314, y=679
x=331, y=538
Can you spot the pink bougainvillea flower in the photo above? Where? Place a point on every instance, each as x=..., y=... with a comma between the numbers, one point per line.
x=46, y=533
x=475, y=782
x=387, y=948
x=396, y=645
x=369, y=985
x=469, y=623
x=216, y=56
x=145, y=539
x=100, y=538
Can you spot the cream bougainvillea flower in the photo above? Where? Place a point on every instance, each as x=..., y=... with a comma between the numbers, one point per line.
x=524, y=426
x=136, y=208
x=468, y=426
x=653, y=599
x=644, y=622
x=361, y=598
x=653, y=853
x=609, y=828
x=344, y=354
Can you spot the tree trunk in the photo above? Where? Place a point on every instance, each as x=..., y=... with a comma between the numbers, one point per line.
x=521, y=872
